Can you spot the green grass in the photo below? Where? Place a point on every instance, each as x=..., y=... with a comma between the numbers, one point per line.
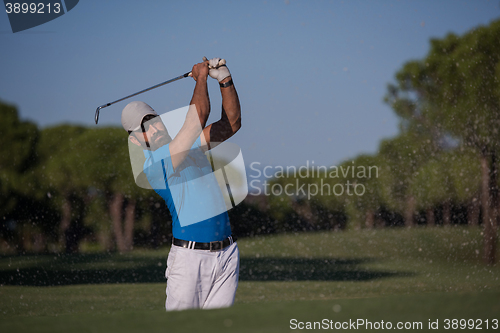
x=391, y=275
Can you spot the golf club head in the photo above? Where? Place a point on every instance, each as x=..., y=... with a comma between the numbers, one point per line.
x=97, y=115
x=98, y=110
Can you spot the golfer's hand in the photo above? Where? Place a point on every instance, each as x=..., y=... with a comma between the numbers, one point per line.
x=218, y=72
x=200, y=71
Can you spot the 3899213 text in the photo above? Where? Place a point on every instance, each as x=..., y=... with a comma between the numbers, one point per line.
x=32, y=8
x=478, y=324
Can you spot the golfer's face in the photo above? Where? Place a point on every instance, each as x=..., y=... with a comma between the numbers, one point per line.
x=155, y=133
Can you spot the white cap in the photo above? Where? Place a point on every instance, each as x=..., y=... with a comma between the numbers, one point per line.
x=133, y=114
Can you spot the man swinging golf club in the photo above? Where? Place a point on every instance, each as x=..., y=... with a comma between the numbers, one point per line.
x=203, y=263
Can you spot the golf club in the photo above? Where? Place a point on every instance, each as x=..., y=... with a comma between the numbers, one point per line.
x=221, y=63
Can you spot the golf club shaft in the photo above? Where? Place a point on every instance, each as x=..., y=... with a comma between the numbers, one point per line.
x=137, y=93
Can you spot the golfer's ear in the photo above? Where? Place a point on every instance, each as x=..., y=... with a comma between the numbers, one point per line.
x=134, y=140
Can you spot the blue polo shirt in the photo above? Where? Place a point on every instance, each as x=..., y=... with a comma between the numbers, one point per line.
x=191, y=192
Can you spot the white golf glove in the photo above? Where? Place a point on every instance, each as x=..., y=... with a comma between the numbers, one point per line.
x=218, y=69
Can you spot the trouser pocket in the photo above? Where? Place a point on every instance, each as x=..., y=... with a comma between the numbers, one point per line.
x=170, y=261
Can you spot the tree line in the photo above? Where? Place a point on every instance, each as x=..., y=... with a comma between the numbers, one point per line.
x=59, y=183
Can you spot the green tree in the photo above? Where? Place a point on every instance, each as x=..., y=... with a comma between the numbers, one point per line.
x=455, y=92
x=465, y=172
x=102, y=159
x=400, y=159
x=433, y=186
x=57, y=175
x=17, y=159
x=17, y=155
x=81, y=166
x=368, y=199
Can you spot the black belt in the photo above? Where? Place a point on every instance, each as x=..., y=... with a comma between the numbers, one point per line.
x=212, y=246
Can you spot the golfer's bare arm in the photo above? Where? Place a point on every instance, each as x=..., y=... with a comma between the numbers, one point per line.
x=230, y=121
x=196, y=117
x=200, y=95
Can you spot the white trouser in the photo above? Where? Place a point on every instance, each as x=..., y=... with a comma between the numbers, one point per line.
x=201, y=279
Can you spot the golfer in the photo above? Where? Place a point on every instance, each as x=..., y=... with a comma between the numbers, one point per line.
x=203, y=262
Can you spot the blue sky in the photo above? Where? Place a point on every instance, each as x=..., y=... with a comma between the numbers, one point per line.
x=311, y=76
